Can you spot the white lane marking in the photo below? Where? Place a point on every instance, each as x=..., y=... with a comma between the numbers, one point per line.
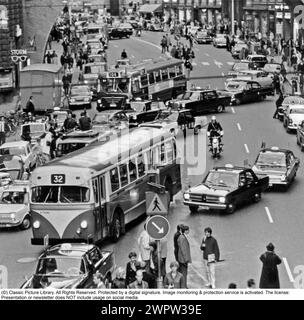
x=246, y=147
x=115, y=45
x=290, y=276
x=194, y=63
x=151, y=44
x=269, y=215
x=197, y=273
x=230, y=63
x=218, y=63
x=132, y=56
x=239, y=127
x=207, y=54
x=232, y=109
x=205, y=63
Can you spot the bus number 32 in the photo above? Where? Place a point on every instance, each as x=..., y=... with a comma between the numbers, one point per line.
x=58, y=178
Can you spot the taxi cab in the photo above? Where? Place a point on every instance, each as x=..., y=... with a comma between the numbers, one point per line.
x=14, y=206
x=280, y=165
x=71, y=266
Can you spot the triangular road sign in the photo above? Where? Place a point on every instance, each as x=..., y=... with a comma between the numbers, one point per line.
x=157, y=206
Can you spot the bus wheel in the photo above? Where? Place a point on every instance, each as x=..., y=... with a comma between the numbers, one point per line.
x=116, y=226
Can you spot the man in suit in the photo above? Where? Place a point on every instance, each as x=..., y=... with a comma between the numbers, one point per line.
x=175, y=238
x=184, y=253
x=139, y=283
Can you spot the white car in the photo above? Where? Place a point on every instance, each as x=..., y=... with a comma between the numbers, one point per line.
x=259, y=76
x=23, y=149
x=220, y=41
x=293, y=117
x=14, y=206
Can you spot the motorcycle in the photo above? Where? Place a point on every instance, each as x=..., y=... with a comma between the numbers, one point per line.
x=216, y=147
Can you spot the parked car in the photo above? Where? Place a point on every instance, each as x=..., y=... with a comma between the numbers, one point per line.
x=80, y=96
x=14, y=206
x=203, y=36
x=71, y=266
x=23, y=149
x=257, y=61
x=280, y=165
x=239, y=66
x=201, y=101
x=289, y=100
x=220, y=41
x=127, y=27
x=225, y=188
x=272, y=68
x=242, y=91
x=293, y=117
x=118, y=32
x=300, y=135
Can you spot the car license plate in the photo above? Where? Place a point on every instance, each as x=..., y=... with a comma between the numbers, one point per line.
x=204, y=207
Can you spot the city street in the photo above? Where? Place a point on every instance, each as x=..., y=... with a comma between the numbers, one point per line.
x=242, y=236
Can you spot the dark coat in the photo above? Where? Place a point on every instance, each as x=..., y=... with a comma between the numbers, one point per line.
x=130, y=273
x=30, y=107
x=119, y=284
x=178, y=281
x=184, y=254
x=84, y=123
x=175, y=238
x=211, y=247
x=270, y=274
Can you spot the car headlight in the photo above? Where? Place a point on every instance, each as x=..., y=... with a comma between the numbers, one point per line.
x=13, y=216
x=99, y=101
x=186, y=196
x=86, y=99
x=283, y=177
x=84, y=224
x=86, y=81
x=36, y=224
x=290, y=121
x=72, y=100
x=222, y=199
x=233, y=97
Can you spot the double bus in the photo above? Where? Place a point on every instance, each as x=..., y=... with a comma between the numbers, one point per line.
x=160, y=80
x=93, y=193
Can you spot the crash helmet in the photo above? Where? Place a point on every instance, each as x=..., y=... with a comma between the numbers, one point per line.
x=213, y=118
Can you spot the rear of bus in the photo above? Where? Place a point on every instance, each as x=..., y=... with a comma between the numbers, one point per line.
x=61, y=204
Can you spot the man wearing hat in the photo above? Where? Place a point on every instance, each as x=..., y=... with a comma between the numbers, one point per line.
x=270, y=274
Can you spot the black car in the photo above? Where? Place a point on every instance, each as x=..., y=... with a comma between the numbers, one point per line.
x=201, y=101
x=120, y=31
x=242, y=91
x=225, y=188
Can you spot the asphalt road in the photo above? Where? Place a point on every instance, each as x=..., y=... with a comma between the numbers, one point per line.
x=242, y=236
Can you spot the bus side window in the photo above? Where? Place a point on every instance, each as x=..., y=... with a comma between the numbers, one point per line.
x=151, y=78
x=172, y=73
x=174, y=150
x=162, y=153
x=156, y=156
x=96, y=191
x=101, y=187
x=169, y=151
x=123, y=171
x=132, y=170
x=164, y=74
x=141, y=165
x=114, y=179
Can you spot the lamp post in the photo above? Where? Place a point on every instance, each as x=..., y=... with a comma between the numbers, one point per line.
x=232, y=17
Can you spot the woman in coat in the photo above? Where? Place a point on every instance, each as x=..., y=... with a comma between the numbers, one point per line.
x=270, y=274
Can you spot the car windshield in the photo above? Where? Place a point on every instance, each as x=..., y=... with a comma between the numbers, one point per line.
x=234, y=87
x=66, y=148
x=116, y=85
x=240, y=66
x=97, y=58
x=61, y=266
x=94, y=69
x=293, y=100
x=222, y=179
x=12, y=197
x=13, y=151
x=61, y=116
x=296, y=111
x=63, y=194
x=33, y=128
x=95, y=45
x=191, y=95
x=273, y=159
x=102, y=118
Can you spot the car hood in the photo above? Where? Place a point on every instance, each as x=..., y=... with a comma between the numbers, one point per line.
x=268, y=170
x=11, y=208
x=296, y=117
x=204, y=189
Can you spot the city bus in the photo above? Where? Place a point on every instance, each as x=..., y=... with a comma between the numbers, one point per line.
x=161, y=80
x=93, y=193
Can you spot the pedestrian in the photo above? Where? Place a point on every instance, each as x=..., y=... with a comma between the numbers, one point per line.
x=144, y=248
x=48, y=57
x=153, y=259
x=163, y=44
x=147, y=276
x=190, y=41
x=251, y=284
x=84, y=122
x=49, y=42
x=174, y=279
x=232, y=285
x=276, y=83
x=270, y=274
x=184, y=253
x=54, y=57
x=70, y=122
x=173, y=51
x=139, y=283
x=132, y=267
x=3, y=128
x=211, y=254
x=66, y=83
x=278, y=105
x=175, y=237
x=124, y=54
x=53, y=143
x=163, y=255
x=168, y=42
x=97, y=281
x=119, y=282
x=188, y=67
x=30, y=106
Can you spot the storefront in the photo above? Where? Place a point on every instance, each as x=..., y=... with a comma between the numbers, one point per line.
x=150, y=10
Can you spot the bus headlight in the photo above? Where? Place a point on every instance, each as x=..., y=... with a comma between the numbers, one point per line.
x=187, y=196
x=36, y=224
x=222, y=199
x=84, y=224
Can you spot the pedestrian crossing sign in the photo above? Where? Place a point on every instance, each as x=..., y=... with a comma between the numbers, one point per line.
x=156, y=204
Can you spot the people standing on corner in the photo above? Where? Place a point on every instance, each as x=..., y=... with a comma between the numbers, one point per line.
x=270, y=274
x=184, y=253
x=119, y=281
x=211, y=254
x=175, y=238
x=2, y=130
x=144, y=247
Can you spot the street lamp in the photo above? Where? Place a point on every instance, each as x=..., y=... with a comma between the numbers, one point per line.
x=232, y=17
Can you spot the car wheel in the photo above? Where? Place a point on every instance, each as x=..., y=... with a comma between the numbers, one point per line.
x=26, y=223
x=257, y=197
x=230, y=208
x=193, y=209
x=287, y=130
x=219, y=109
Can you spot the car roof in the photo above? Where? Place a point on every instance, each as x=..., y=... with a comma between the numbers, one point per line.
x=19, y=143
x=275, y=150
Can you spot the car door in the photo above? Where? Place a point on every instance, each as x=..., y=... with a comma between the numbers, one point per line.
x=255, y=91
x=251, y=185
x=292, y=165
x=242, y=188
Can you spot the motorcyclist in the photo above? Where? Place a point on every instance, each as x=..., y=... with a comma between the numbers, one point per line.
x=124, y=54
x=214, y=130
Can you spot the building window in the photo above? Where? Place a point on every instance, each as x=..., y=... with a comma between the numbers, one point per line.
x=3, y=17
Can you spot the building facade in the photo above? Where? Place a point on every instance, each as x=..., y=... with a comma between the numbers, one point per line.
x=11, y=29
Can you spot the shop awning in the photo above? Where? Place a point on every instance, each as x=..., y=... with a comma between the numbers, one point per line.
x=150, y=8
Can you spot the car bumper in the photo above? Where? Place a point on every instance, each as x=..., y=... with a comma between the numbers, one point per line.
x=10, y=224
x=292, y=126
x=207, y=206
x=277, y=183
x=54, y=241
x=79, y=103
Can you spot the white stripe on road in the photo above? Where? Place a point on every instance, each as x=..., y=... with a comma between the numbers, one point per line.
x=246, y=147
x=151, y=44
x=239, y=127
x=290, y=276
x=194, y=63
x=230, y=63
x=207, y=54
x=205, y=63
x=232, y=109
x=269, y=215
x=115, y=45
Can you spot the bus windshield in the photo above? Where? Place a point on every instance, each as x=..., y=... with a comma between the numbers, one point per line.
x=62, y=194
x=66, y=148
x=116, y=85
